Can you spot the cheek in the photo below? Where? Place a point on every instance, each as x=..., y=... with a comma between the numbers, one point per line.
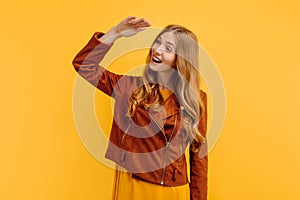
x=171, y=59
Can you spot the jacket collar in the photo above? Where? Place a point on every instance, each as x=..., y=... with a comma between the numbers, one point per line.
x=170, y=107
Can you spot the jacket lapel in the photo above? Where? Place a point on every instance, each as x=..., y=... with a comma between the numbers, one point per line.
x=170, y=108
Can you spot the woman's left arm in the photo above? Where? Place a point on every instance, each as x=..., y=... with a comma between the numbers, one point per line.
x=199, y=161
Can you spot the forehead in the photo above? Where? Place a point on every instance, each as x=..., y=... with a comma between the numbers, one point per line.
x=167, y=36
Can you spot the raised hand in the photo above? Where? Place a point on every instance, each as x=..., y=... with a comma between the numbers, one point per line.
x=131, y=26
x=126, y=28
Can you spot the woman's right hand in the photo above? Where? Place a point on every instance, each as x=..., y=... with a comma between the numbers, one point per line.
x=126, y=28
x=131, y=26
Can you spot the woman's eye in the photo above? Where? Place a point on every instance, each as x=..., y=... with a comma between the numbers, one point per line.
x=169, y=49
x=157, y=41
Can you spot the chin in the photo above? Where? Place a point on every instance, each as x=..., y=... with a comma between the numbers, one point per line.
x=159, y=67
x=153, y=67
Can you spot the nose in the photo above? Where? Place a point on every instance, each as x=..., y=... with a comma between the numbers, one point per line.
x=158, y=49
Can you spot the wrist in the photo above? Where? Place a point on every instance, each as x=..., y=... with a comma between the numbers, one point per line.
x=110, y=37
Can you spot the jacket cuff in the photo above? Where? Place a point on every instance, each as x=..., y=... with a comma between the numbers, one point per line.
x=98, y=35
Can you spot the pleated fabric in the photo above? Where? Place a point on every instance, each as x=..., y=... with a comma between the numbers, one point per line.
x=128, y=188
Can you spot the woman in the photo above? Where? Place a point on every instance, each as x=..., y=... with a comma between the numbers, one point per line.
x=156, y=117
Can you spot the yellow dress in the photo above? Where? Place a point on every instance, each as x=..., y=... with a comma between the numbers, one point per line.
x=128, y=188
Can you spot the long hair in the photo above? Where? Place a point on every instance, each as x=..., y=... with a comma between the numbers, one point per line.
x=187, y=84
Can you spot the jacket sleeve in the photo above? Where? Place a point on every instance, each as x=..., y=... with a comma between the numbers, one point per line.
x=199, y=162
x=86, y=63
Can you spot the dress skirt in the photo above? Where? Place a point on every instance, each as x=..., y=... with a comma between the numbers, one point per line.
x=128, y=188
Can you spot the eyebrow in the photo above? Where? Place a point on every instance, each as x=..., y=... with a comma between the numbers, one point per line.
x=170, y=43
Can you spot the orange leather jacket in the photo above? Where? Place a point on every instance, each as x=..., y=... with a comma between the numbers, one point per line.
x=151, y=144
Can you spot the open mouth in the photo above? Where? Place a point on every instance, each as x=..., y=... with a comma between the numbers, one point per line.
x=156, y=60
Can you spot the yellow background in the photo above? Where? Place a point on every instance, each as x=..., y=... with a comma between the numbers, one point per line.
x=255, y=45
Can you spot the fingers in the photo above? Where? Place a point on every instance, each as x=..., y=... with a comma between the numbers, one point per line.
x=144, y=24
x=137, y=21
x=129, y=18
x=131, y=26
x=147, y=23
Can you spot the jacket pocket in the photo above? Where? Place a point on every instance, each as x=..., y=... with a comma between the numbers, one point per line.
x=123, y=157
x=175, y=172
x=123, y=154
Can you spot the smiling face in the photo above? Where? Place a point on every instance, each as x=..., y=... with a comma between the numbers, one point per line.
x=163, y=55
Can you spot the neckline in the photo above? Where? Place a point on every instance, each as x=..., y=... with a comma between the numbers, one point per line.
x=165, y=93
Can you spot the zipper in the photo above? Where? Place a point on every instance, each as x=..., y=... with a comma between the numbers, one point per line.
x=165, y=161
x=123, y=137
x=166, y=147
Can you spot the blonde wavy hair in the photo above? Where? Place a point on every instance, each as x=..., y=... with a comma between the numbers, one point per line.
x=187, y=84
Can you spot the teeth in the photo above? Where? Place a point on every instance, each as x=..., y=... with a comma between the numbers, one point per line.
x=156, y=60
